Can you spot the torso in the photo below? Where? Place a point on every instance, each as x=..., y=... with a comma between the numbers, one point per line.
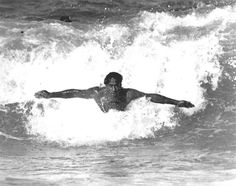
x=108, y=101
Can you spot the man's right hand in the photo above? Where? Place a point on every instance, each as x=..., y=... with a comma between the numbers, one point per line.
x=42, y=94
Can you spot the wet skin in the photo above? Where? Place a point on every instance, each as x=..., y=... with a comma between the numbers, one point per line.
x=112, y=96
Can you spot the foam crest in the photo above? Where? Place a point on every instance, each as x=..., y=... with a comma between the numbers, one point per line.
x=162, y=22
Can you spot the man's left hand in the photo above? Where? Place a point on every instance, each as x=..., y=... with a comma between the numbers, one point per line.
x=186, y=104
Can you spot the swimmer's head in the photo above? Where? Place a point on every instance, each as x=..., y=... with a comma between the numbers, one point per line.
x=118, y=77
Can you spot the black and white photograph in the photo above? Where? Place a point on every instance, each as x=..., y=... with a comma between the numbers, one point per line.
x=117, y=92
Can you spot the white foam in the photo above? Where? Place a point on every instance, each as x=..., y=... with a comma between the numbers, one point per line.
x=175, y=69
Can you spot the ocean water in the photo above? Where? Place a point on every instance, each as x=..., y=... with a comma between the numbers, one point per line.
x=183, y=49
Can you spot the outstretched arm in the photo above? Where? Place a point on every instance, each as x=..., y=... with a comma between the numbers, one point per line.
x=157, y=98
x=70, y=93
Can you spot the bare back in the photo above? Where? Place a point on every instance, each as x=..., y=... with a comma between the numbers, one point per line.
x=119, y=101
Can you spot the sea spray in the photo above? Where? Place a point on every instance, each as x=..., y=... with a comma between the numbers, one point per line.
x=172, y=59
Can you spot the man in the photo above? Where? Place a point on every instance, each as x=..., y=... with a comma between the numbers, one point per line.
x=113, y=95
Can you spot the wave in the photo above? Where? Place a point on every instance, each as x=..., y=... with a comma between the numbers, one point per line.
x=103, y=10
x=191, y=57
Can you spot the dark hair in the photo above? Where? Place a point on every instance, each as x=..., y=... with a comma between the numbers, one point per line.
x=114, y=75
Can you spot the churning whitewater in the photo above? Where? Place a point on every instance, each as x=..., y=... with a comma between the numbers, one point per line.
x=185, y=50
x=155, y=52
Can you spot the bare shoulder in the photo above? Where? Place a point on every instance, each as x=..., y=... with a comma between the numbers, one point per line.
x=93, y=91
x=133, y=93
